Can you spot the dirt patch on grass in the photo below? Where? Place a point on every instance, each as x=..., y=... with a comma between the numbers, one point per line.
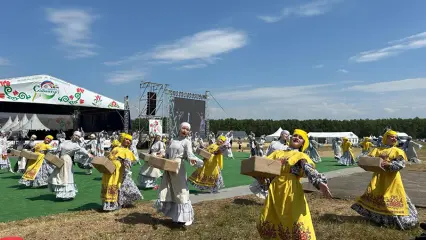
x=233, y=218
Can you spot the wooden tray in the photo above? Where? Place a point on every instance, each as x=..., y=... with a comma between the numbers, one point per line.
x=371, y=164
x=29, y=155
x=55, y=160
x=103, y=165
x=160, y=163
x=261, y=167
x=203, y=153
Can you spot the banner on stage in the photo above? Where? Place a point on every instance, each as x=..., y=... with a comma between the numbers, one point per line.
x=155, y=127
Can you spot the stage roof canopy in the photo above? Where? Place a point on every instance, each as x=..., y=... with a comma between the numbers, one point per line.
x=48, y=90
x=44, y=94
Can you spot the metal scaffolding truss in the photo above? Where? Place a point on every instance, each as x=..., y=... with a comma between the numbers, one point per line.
x=159, y=89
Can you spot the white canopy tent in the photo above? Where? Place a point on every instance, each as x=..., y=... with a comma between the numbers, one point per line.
x=327, y=137
x=23, y=121
x=276, y=134
x=7, y=124
x=14, y=123
x=34, y=124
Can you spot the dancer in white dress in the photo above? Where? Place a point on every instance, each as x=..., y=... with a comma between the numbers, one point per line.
x=4, y=159
x=409, y=149
x=61, y=181
x=148, y=175
x=173, y=199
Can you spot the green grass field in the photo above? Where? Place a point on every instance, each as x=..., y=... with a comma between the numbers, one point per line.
x=19, y=202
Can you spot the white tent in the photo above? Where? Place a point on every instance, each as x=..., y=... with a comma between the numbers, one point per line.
x=7, y=124
x=34, y=124
x=14, y=123
x=23, y=121
x=276, y=134
x=327, y=137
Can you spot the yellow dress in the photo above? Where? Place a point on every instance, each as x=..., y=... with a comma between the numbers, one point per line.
x=111, y=183
x=209, y=176
x=34, y=166
x=385, y=200
x=386, y=194
x=286, y=213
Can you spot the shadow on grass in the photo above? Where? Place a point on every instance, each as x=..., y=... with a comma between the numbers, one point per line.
x=46, y=197
x=197, y=192
x=88, y=206
x=97, y=179
x=12, y=177
x=147, y=219
x=81, y=173
x=340, y=219
x=245, y=202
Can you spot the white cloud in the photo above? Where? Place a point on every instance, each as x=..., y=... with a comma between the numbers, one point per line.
x=318, y=66
x=191, y=66
x=377, y=100
x=389, y=110
x=396, y=47
x=311, y=9
x=271, y=92
x=73, y=28
x=391, y=86
x=343, y=70
x=4, y=61
x=205, y=46
x=125, y=76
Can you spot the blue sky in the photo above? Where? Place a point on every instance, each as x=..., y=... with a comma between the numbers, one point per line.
x=337, y=59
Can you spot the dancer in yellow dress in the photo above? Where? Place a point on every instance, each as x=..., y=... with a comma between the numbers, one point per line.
x=209, y=176
x=38, y=170
x=286, y=213
x=385, y=201
x=366, y=145
x=119, y=189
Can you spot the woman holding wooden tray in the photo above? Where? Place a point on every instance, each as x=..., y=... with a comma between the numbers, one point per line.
x=118, y=189
x=38, y=170
x=286, y=213
x=348, y=156
x=173, y=198
x=61, y=181
x=148, y=174
x=260, y=186
x=385, y=201
x=209, y=177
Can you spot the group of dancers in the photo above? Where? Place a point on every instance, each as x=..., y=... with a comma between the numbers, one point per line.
x=285, y=214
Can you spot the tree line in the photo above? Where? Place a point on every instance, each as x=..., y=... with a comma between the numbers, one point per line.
x=415, y=127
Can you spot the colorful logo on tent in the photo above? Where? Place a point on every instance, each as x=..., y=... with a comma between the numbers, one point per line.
x=46, y=90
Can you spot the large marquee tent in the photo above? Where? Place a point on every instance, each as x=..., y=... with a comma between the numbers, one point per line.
x=327, y=137
x=44, y=94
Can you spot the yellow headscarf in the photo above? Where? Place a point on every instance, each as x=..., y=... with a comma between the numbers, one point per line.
x=345, y=139
x=49, y=137
x=388, y=133
x=304, y=135
x=115, y=143
x=222, y=138
x=126, y=136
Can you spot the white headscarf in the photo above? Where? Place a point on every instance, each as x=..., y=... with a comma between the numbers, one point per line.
x=185, y=124
x=77, y=134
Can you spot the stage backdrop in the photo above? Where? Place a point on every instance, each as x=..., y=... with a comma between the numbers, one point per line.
x=192, y=111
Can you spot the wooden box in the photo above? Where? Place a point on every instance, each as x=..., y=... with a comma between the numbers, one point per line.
x=203, y=153
x=371, y=164
x=29, y=155
x=15, y=153
x=261, y=167
x=103, y=165
x=160, y=163
x=55, y=160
